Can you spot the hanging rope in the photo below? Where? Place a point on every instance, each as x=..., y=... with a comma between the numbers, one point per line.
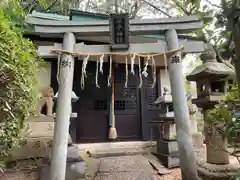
x=110, y=72
x=58, y=66
x=149, y=56
x=154, y=72
x=96, y=77
x=119, y=53
x=132, y=64
x=146, y=66
x=140, y=72
x=126, y=71
x=101, y=63
x=84, y=74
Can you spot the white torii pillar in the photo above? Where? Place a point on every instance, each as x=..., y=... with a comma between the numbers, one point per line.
x=184, y=137
x=60, y=141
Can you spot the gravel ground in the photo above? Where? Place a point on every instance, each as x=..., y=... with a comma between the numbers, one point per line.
x=32, y=175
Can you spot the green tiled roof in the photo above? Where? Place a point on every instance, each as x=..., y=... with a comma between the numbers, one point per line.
x=82, y=15
x=52, y=16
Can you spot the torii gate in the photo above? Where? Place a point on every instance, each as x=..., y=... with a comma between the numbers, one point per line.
x=69, y=30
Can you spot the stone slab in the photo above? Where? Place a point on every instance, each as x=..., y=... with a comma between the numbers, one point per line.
x=126, y=176
x=124, y=164
x=118, y=152
x=125, y=167
x=157, y=165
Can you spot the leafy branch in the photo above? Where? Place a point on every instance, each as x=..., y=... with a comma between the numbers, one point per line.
x=18, y=84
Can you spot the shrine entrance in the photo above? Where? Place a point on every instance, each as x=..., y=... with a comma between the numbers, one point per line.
x=94, y=106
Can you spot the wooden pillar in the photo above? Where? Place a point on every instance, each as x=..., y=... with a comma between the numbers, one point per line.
x=184, y=138
x=60, y=142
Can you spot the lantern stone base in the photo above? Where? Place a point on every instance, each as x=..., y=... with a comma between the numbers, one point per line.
x=217, y=150
x=207, y=171
x=167, y=153
x=75, y=169
x=169, y=161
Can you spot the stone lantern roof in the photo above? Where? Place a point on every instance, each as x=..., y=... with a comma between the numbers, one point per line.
x=210, y=68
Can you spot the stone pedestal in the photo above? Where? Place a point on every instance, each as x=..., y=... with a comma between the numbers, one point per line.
x=207, y=171
x=167, y=153
x=217, y=150
x=37, y=138
x=75, y=169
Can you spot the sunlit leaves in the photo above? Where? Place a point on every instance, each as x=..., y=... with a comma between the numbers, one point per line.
x=18, y=61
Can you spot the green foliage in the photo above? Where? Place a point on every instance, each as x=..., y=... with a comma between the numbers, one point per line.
x=219, y=113
x=222, y=110
x=18, y=84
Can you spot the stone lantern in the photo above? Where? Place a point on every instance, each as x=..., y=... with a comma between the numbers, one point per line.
x=167, y=147
x=73, y=115
x=210, y=79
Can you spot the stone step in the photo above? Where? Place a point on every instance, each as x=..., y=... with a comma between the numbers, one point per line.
x=118, y=152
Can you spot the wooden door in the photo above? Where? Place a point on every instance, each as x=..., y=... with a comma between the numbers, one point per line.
x=127, y=115
x=92, y=122
x=149, y=112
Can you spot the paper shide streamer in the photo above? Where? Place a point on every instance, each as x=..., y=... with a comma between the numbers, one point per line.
x=126, y=72
x=146, y=66
x=132, y=64
x=140, y=72
x=84, y=73
x=96, y=77
x=99, y=64
x=110, y=72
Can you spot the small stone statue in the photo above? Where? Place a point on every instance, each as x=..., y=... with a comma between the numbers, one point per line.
x=166, y=91
x=46, y=99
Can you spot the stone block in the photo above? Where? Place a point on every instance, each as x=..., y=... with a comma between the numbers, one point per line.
x=169, y=131
x=167, y=147
x=38, y=138
x=169, y=161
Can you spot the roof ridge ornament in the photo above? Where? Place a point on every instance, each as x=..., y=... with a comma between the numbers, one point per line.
x=208, y=56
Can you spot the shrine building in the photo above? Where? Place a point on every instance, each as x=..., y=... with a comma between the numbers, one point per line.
x=134, y=92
